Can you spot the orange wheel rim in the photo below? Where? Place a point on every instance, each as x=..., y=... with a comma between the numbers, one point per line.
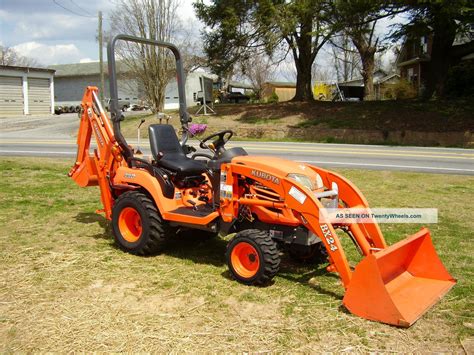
x=245, y=260
x=130, y=224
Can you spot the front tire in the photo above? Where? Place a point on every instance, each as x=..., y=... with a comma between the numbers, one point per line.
x=137, y=225
x=252, y=257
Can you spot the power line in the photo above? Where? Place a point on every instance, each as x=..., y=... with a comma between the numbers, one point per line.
x=71, y=11
x=81, y=8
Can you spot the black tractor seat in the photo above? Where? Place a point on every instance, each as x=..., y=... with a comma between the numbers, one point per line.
x=169, y=154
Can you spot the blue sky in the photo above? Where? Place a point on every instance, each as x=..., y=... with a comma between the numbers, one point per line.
x=50, y=34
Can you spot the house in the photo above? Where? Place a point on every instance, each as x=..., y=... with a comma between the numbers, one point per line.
x=284, y=90
x=72, y=79
x=382, y=85
x=26, y=90
x=413, y=58
x=415, y=54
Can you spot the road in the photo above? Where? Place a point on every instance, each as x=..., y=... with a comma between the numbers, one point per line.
x=55, y=141
x=431, y=160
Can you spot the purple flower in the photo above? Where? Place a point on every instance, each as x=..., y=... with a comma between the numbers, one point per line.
x=196, y=129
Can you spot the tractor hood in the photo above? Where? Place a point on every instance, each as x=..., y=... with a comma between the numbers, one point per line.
x=276, y=166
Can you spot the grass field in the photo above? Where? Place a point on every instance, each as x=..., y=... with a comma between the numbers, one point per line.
x=65, y=287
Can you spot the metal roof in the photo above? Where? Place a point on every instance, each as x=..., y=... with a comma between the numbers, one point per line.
x=84, y=69
x=240, y=85
x=281, y=84
x=26, y=69
x=360, y=81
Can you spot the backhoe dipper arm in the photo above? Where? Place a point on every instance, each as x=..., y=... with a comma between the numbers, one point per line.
x=97, y=168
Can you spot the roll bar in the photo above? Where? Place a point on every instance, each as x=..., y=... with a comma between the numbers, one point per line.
x=116, y=113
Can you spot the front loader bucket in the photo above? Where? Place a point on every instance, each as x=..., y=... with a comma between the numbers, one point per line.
x=397, y=285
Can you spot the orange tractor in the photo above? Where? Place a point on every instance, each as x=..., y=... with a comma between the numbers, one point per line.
x=271, y=204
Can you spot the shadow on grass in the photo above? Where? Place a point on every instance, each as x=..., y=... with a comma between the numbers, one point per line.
x=91, y=218
x=197, y=246
x=294, y=273
x=227, y=275
x=204, y=248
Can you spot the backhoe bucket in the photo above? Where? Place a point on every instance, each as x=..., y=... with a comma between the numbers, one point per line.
x=85, y=173
x=399, y=284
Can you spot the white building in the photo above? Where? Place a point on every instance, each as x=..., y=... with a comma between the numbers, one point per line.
x=26, y=91
x=72, y=79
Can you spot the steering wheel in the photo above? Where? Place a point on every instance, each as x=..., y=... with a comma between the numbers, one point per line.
x=222, y=138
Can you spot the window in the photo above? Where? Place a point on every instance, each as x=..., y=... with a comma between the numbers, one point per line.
x=424, y=44
x=412, y=76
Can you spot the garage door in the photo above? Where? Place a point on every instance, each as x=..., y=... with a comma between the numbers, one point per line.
x=11, y=95
x=39, y=96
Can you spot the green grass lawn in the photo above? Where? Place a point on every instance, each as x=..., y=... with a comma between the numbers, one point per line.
x=66, y=287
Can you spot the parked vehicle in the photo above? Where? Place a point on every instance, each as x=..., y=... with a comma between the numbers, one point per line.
x=232, y=97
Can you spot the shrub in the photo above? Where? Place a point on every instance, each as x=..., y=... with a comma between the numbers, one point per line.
x=273, y=99
x=401, y=91
x=254, y=97
x=460, y=80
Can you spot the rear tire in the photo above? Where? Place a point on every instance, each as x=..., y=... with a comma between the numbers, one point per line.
x=137, y=225
x=252, y=257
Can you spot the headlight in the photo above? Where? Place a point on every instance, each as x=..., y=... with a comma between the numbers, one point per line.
x=303, y=180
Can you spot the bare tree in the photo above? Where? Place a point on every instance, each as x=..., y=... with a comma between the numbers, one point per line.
x=258, y=69
x=359, y=18
x=321, y=73
x=287, y=71
x=345, y=57
x=389, y=59
x=9, y=56
x=153, y=67
x=190, y=45
x=367, y=45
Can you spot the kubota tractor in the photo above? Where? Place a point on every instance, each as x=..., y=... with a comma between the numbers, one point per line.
x=271, y=204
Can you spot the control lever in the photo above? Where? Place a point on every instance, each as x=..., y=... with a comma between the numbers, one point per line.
x=138, y=137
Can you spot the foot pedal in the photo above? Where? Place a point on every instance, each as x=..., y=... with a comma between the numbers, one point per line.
x=191, y=202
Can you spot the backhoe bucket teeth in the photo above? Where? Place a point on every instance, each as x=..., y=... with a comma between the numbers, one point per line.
x=397, y=285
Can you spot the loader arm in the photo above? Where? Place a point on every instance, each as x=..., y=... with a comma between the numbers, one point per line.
x=97, y=167
x=394, y=285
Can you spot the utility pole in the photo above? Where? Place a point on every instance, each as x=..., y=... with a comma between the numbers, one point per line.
x=101, y=61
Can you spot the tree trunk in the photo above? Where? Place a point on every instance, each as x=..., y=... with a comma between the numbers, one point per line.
x=436, y=70
x=367, y=57
x=368, y=66
x=303, y=81
x=160, y=100
x=304, y=61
